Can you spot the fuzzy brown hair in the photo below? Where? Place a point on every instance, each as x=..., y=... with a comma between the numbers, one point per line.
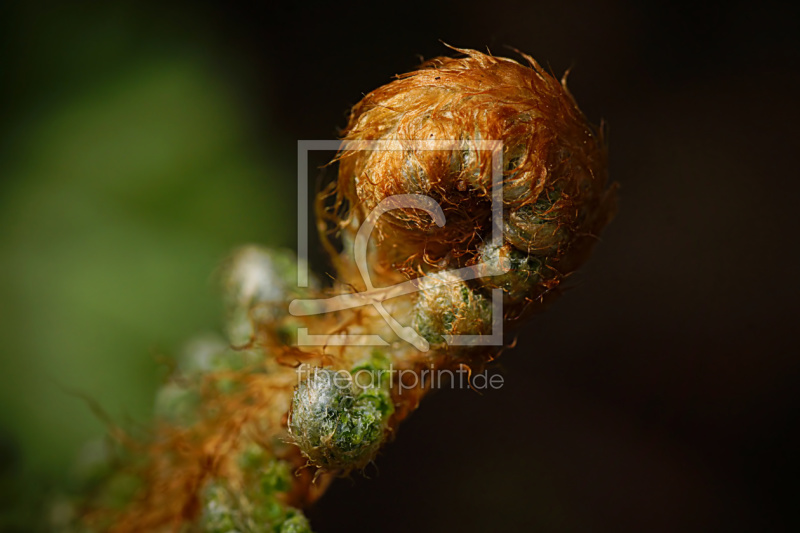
x=552, y=157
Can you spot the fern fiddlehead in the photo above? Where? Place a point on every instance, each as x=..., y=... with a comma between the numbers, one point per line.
x=253, y=429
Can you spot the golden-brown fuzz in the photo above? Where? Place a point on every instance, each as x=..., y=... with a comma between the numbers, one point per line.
x=554, y=188
x=555, y=203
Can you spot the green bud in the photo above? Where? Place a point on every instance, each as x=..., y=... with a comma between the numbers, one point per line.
x=451, y=308
x=333, y=424
x=177, y=403
x=257, y=283
x=227, y=510
x=535, y=229
x=523, y=271
x=295, y=523
x=277, y=477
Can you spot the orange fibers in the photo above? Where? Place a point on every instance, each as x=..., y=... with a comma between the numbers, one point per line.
x=554, y=166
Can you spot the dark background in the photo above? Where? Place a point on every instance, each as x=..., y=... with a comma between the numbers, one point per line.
x=141, y=141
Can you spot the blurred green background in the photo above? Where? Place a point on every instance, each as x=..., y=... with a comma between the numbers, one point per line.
x=130, y=167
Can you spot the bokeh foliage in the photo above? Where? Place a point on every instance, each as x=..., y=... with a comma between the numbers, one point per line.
x=130, y=168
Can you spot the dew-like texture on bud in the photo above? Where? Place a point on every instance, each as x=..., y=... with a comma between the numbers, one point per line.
x=219, y=514
x=255, y=274
x=536, y=228
x=226, y=511
x=523, y=272
x=255, y=506
x=337, y=425
x=257, y=282
x=451, y=307
x=555, y=199
x=297, y=523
